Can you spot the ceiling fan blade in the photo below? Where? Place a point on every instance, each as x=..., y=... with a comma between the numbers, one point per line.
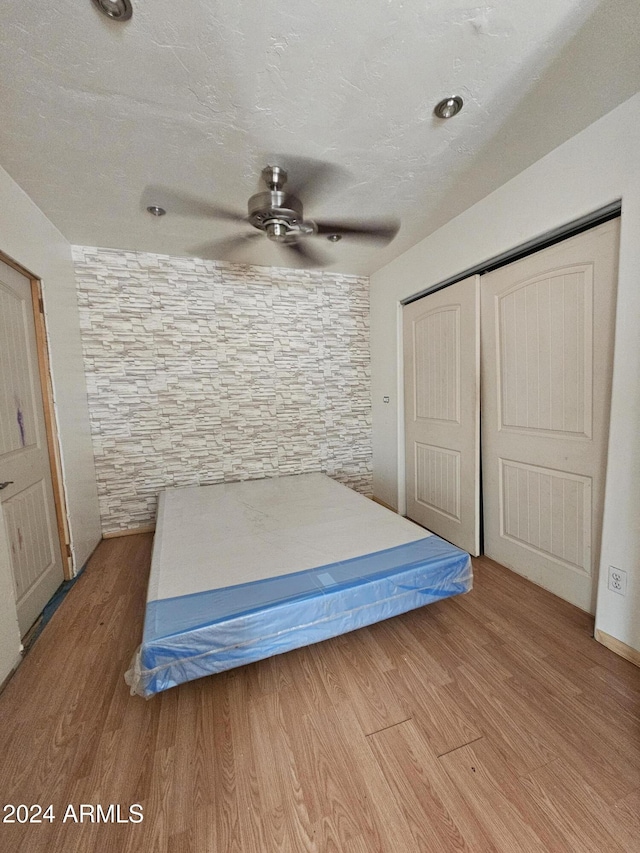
x=310, y=180
x=304, y=254
x=382, y=231
x=216, y=250
x=185, y=204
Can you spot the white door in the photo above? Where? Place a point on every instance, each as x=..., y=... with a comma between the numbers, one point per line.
x=442, y=370
x=28, y=506
x=547, y=352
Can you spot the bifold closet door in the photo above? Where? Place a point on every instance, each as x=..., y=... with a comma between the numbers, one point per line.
x=442, y=370
x=547, y=351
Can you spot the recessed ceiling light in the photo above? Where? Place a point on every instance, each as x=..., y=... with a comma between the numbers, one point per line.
x=334, y=238
x=117, y=10
x=155, y=210
x=449, y=107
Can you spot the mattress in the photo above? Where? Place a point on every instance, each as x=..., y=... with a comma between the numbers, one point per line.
x=243, y=571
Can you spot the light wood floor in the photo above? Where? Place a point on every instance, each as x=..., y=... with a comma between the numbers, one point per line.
x=489, y=722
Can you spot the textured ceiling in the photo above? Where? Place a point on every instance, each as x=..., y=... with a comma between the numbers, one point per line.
x=199, y=95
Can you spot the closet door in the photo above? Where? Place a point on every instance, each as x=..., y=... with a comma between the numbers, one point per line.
x=547, y=352
x=442, y=369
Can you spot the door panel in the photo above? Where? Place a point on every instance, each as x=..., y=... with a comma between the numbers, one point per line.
x=28, y=505
x=547, y=351
x=441, y=357
x=547, y=511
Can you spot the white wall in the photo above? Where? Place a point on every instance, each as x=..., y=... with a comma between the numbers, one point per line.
x=598, y=166
x=28, y=237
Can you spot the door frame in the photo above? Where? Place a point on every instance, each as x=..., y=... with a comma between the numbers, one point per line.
x=51, y=427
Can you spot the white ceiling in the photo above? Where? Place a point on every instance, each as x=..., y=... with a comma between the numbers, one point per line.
x=198, y=95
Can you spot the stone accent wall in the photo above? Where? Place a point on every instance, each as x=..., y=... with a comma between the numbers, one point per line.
x=203, y=372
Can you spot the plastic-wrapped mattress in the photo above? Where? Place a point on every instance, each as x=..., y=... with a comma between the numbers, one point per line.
x=243, y=571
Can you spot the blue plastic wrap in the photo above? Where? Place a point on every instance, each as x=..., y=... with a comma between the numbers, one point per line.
x=190, y=636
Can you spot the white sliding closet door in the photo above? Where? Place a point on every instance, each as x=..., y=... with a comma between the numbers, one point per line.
x=547, y=352
x=442, y=369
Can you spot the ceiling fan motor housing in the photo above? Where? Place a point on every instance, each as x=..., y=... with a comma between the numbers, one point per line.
x=275, y=207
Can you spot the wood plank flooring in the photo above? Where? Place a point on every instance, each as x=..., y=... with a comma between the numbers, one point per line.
x=488, y=722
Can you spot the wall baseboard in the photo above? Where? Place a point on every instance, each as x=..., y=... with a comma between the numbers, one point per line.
x=115, y=534
x=385, y=505
x=12, y=672
x=618, y=647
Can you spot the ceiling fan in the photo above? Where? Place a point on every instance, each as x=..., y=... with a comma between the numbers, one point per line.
x=278, y=215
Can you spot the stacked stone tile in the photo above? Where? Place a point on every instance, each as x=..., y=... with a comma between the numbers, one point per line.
x=206, y=372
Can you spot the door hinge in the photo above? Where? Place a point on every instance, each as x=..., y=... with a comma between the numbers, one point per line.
x=68, y=546
x=40, y=305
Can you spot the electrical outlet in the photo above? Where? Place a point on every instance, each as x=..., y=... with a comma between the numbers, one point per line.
x=617, y=580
